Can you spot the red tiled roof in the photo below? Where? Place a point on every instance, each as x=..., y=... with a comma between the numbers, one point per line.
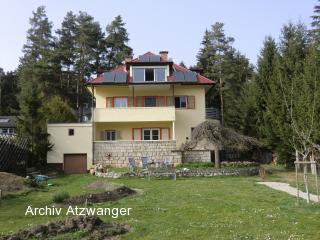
x=122, y=68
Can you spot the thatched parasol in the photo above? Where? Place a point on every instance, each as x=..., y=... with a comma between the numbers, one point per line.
x=217, y=137
x=222, y=137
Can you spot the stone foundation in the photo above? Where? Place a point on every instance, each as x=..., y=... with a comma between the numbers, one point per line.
x=197, y=156
x=116, y=153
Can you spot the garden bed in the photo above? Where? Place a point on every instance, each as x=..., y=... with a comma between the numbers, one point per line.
x=92, y=227
x=113, y=195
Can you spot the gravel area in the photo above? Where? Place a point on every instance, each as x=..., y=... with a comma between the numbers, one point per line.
x=285, y=187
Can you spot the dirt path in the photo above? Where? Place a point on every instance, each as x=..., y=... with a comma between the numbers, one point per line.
x=285, y=187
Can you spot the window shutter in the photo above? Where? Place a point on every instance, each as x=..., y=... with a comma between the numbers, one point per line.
x=191, y=102
x=118, y=136
x=161, y=101
x=130, y=102
x=139, y=101
x=103, y=136
x=165, y=134
x=136, y=134
x=109, y=102
x=170, y=101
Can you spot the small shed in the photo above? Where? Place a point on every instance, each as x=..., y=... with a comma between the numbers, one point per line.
x=8, y=124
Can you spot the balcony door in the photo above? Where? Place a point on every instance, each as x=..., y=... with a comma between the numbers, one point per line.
x=120, y=102
x=150, y=101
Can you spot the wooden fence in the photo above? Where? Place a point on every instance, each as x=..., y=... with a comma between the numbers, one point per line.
x=14, y=152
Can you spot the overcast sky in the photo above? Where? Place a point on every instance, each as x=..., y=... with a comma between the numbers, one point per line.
x=173, y=25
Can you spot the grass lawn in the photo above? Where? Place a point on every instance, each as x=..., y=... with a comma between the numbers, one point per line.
x=189, y=208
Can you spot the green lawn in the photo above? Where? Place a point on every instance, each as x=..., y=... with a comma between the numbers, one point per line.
x=189, y=208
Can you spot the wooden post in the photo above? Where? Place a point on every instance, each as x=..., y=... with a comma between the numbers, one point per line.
x=297, y=182
x=316, y=176
x=216, y=157
x=305, y=177
x=313, y=166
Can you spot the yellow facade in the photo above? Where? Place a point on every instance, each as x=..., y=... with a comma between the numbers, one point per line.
x=63, y=143
x=123, y=120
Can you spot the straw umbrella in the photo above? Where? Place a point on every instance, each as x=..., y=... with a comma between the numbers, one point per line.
x=212, y=136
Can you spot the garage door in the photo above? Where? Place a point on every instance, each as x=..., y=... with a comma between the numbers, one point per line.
x=75, y=163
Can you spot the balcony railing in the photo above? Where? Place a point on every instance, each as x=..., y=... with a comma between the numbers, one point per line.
x=157, y=101
x=135, y=114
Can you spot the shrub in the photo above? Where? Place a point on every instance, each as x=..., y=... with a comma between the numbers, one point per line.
x=60, y=197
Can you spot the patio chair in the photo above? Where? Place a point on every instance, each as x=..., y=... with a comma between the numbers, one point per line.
x=131, y=164
x=145, y=163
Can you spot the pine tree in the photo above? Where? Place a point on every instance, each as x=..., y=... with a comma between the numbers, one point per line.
x=265, y=102
x=37, y=83
x=289, y=72
x=65, y=53
x=8, y=93
x=79, y=52
x=57, y=110
x=221, y=62
x=316, y=23
x=116, y=43
x=88, y=46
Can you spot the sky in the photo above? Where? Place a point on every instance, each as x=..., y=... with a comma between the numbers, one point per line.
x=173, y=25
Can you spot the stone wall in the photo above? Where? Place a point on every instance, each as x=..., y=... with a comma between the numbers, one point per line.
x=207, y=172
x=211, y=172
x=197, y=156
x=116, y=153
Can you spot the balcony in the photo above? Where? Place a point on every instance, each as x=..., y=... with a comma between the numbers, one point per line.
x=135, y=114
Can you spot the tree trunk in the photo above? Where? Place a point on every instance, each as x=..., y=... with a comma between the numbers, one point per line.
x=217, y=158
x=221, y=99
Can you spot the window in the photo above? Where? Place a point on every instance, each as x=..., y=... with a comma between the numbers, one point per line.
x=11, y=130
x=120, y=102
x=110, y=135
x=149, y=75
x=160, y=74
x=71, y=131
x=151, y=134
x=150, y=102
x=5, y=130
x=138, y=75
x=180, y=102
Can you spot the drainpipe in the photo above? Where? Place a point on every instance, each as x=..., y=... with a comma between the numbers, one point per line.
x=92, y=123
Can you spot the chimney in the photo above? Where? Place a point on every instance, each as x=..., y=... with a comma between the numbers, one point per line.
x=128, y=59
x=164, y=55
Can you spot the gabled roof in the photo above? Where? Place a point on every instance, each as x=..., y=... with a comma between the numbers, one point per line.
x=148, y=54
x=175, y=67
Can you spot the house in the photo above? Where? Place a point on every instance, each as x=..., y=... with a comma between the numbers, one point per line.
x=8, y=125
x=146, y=107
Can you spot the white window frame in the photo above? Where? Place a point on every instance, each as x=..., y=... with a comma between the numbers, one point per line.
x=106, y=132
x=151, y=135
x=154, y=73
